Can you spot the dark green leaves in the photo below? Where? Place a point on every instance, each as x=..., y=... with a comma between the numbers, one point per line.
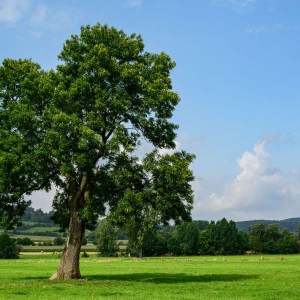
x=73, y=128
x=159, y=187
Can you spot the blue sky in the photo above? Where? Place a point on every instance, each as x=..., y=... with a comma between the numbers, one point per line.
x=238, y=74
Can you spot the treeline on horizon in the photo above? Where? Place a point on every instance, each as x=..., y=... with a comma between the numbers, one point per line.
x=210, y=238
x=198, y=237
x=39, y=216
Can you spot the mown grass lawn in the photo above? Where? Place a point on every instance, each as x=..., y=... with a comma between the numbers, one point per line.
x=233, y=277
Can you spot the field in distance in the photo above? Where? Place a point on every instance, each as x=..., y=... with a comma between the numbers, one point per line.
x=230, y=277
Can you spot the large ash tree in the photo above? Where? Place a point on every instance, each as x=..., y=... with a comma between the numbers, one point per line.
x=77, y=128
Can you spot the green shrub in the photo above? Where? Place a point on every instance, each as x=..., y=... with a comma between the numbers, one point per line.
x=25, y=241
x=84, y=241
x=8, y=247
x=58, y=241
x=47, y=243
x=84, y=254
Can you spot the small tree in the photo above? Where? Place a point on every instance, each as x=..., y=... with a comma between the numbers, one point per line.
x=257, y=237
x=47, y=243
x=8, y=247
x=156, y=187
x=205, y=245
x=106, y=238
x=155, y=244
x=288, y=243
x=222, y=238
x=84, y=241
x=184, y=239
x=59, y=241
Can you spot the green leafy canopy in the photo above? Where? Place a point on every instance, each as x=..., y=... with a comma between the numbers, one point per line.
x=76, y=128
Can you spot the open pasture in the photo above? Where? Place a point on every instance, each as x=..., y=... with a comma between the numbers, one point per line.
x=232, y=277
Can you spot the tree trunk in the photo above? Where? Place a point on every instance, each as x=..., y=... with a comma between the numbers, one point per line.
x=141, y=252
x=69, y=265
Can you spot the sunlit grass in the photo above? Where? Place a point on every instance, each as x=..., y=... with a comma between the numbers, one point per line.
x=234, y=277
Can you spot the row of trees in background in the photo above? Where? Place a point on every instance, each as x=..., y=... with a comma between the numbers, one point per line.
x=37, y=216
x=188, y=238
x=11, y=247
x=199, y=238
x=145, y=238
x=269, y=239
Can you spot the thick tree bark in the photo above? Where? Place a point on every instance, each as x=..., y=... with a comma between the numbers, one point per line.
x=69, y=265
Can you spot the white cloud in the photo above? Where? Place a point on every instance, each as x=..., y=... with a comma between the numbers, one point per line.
x=38, y=18
x=12, y=11
x=44, y=18
x=258, y=191
x=134, y=3
x=240, y=6
x=61, y=18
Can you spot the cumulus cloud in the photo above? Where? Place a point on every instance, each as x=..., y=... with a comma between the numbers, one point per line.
x=259, y=190
x=240, y=6
x=12, y=11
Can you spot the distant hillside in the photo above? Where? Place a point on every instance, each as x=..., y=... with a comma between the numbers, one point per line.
x=36, y=224
x=290, y=224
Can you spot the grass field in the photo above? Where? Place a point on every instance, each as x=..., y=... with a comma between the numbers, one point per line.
x=42, y=229
x=35, y=238
x=234, y=277
x=87, y=248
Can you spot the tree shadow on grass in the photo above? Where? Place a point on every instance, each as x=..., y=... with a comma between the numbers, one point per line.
x=160, y=278
x=166, y=278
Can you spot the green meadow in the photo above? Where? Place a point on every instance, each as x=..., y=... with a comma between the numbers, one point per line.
x=232, y=277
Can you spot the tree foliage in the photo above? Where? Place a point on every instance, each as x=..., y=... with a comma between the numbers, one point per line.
x=107, y=93
x=37, y=216
x=184, y=239
x=222, y=237
x=25, y=241
x=106, y=238
x=76, y=128
x=160, y=183
x=58, y=241
x=288, y=243
x=8, y=247
x=269, y=239
x=155, y=244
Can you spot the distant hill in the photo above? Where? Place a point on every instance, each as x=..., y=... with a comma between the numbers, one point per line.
x=36, y=224
x=290, y=224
